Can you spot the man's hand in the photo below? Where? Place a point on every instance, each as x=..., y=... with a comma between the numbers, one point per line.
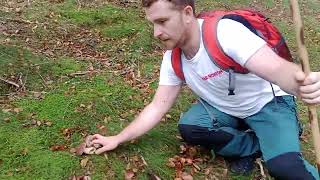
x=309, y=89
x=108, y=143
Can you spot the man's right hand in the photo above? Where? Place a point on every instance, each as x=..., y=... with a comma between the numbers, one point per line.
x=108, y=143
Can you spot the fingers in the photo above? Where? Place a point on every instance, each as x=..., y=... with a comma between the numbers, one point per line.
x=102, y=150
x=315, y=101
x=310, y=88
x=97, y=136
x=97, y=141
x=312, y=78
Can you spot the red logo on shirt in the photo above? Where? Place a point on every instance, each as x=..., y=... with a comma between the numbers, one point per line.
x=212, y=75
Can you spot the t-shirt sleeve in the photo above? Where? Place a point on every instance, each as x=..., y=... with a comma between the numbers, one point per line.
x=167, y=74
x=237, y=41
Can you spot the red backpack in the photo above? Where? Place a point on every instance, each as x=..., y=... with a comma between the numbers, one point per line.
x=254, y=21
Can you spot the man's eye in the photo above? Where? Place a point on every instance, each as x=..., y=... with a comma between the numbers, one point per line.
x=162, y=21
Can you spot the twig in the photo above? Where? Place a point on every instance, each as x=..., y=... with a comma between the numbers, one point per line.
x=263, y=174
x=18, y=20
x=82, y=73
x=43, y=81
x=79, y=73
x=10, y=82
x=22, y=83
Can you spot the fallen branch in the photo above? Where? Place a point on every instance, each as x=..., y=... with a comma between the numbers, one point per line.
x=10, y=82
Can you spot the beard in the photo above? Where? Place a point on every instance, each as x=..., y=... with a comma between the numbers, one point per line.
x=169, y=44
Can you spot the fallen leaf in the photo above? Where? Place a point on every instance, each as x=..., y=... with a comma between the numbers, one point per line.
x=24, y=152
x=39, y=123
x=89, y=150
x=38, y=95
x=186, y=176
x=84, y=162
x=171, y=164
x=80, y=149
x=183, y=148
x=192, y=152
x=73, y=150
x=129, y=175
x=6, y=110
x=153, y=176
x=57, y=147
x=48, y=123
x=88, y=140
x=17, y=110
x=102, y=130
x=80, y=178
x=179, y=137
x=225, y=172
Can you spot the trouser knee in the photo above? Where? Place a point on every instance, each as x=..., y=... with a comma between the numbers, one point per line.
x=288, y=166
x=198, y=135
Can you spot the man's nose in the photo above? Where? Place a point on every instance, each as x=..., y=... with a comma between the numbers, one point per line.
x=157, y=32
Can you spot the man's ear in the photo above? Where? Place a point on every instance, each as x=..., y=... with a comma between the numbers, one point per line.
x=188, y=11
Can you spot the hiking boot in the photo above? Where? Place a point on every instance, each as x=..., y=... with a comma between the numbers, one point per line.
x=242, y=166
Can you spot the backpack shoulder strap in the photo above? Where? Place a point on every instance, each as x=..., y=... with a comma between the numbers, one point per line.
x=215, y=52
x=211, y=43
x=176, y=63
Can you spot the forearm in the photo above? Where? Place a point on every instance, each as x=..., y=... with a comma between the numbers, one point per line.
x=286, y=77
x=268, y=65
x=151, y=115
x=146, y=120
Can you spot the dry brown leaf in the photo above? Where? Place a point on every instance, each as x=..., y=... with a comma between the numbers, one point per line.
x=80, y=149
x=186, y=176
x=58, y=148
x=88, y=140
x=153, y=177
x=102, y=130
x=6, y=110
x=89, y=150
x=80, y=178
x=17, y=110
x=84, y=162
x=37, y=95
x=73, y=150
x=183, y=148
x=48, y=123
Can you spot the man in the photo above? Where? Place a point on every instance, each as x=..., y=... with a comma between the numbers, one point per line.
x=217, y=119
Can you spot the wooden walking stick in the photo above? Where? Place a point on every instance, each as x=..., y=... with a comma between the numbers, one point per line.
x=303, y=55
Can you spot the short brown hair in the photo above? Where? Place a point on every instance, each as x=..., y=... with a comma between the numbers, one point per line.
x=178, y=3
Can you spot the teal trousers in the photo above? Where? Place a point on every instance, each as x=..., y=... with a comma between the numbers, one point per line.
x=273, y=131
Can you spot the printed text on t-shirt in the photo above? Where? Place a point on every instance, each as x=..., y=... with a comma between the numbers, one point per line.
x=211, y=75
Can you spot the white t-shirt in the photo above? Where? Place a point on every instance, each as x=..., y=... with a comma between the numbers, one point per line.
x=211, y=83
